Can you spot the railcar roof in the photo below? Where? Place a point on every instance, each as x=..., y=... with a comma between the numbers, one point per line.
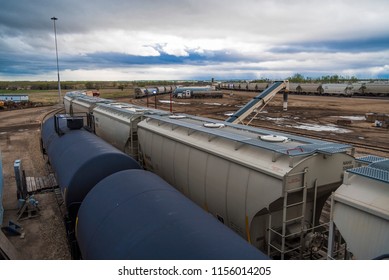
x=293, y=146
x=378, y=170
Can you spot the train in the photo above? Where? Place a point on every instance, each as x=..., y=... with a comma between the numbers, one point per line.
x=197, y=92
x=268, y=187
x=116, y=210
x=141, y=92
x=179, y=92
x=376, y=89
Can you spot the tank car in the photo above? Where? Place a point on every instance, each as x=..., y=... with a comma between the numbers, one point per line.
x=161, y=90
x=248, y=178
x=136, y=215
x=140, y=92
x=79, y=159
x=151, y=91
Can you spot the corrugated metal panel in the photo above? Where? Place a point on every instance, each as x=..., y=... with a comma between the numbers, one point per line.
x=378, y=170
x=366, y=235
x=370, y=159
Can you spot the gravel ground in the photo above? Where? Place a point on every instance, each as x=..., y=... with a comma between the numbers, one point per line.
x=44, y=236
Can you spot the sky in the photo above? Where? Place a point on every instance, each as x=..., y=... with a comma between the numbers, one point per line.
x=120, y=40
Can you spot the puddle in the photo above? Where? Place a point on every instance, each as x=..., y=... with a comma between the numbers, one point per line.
x=317, y=127
x=353, y=118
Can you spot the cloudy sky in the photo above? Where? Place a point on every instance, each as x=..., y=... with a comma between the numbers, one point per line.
x=193, y=39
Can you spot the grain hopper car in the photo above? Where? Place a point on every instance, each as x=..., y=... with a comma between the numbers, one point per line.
x=248, y=178
x=360, y=210
x=117, y=123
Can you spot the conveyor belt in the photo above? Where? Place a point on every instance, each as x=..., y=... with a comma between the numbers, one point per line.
x=256, y=102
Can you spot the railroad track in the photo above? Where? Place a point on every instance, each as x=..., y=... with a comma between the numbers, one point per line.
x=53, y=111
x=35, y=121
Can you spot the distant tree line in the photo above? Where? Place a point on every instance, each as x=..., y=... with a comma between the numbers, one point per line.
x=81, y=85
x=299, y=78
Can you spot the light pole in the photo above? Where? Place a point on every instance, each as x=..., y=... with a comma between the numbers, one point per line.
x=56, y=51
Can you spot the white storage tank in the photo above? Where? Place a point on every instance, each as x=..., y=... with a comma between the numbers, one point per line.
x=248, y=178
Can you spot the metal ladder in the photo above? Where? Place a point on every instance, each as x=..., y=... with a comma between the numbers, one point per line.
x=284, y=248
x=131, y=146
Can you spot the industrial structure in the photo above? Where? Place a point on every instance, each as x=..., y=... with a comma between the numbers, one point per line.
x=260, y=101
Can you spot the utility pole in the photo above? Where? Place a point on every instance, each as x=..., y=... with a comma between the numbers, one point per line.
x=56, y=51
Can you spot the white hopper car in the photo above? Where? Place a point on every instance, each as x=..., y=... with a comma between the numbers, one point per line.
x=117, y=123
x=247, y=178
x=360, y=210
x=76, y=102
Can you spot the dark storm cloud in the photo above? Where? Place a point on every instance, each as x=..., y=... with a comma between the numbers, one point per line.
x=121, y=60
x=230, y=36
x=373, y=44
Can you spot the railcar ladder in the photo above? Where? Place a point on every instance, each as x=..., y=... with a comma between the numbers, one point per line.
x=134, y=139
x=131, y=146
x=273, y=243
